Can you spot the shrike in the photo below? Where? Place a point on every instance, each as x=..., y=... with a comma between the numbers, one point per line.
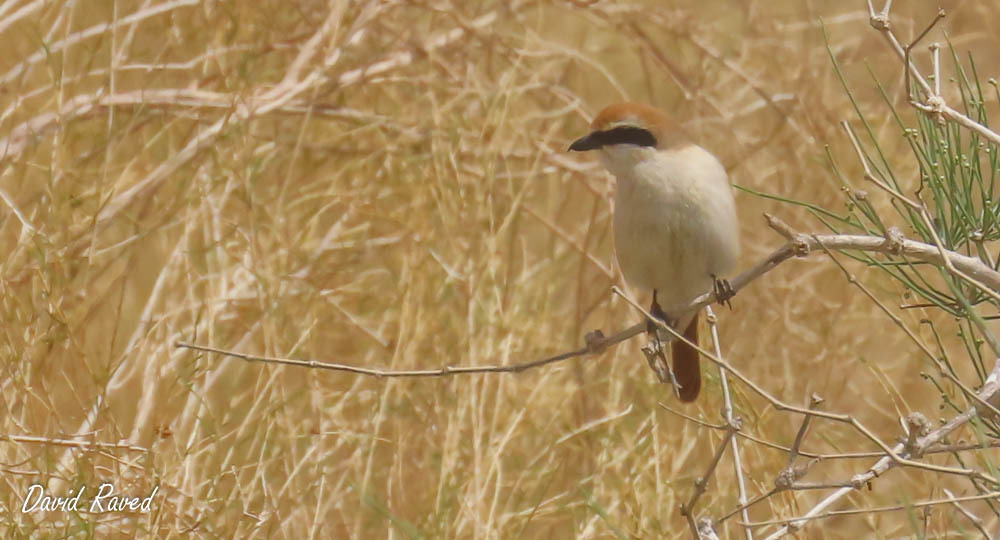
x=675, y=225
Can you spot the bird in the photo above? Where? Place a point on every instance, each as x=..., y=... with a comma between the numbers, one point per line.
x=676, y=231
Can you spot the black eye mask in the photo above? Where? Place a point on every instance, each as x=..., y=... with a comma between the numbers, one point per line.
x=619, y=135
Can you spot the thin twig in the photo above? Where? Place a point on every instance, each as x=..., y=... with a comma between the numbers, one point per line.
x=891, y=453
x=799, y=246
x=788, y=476
x=899, y=322
x=596, y=344
x=935, y=449
x=744, y=507
x=908, y=48
x=940, y=107
x=833, y=513
x=702, y=483
x=988, y=392
x=74, y=443
x=814, y=402
x=730, y=420
x=976, y=521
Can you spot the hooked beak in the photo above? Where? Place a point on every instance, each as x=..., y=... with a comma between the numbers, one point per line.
x=587, y=142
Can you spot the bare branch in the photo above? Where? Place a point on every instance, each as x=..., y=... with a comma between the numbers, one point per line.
x=596, y=343
x=731, y=419
x=834, y=513
x=881, y=23
x=989, y=391
x=814, y=402
x=801, y=244
x=74, y=443
x=977, y=522
x=702, y=483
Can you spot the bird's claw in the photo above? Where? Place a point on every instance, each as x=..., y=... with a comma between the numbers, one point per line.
x=657, y=360
x=656, y=357
x=723, y=291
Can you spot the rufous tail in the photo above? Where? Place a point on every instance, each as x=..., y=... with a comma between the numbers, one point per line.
x=686, y=364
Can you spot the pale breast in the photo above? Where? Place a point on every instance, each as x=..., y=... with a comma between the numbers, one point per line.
x=675, y=223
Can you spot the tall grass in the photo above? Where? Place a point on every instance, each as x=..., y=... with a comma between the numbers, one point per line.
x=386, y=184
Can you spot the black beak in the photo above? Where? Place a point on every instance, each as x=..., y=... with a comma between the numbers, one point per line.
x=587, y=142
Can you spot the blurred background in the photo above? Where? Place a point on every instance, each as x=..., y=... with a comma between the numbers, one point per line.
x=386, y=184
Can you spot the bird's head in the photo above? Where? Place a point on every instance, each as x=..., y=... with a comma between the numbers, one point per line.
x=627, y=133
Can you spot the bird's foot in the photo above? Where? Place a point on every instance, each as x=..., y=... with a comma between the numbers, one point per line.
x=657, y=312
x=656, y=357
x=723, y=291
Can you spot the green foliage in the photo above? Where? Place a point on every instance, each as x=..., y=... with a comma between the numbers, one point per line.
x=952, y=171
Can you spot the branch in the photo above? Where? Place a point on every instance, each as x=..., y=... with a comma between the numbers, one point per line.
x=936, y=105
x=833, y=513
x=596, y=343
x=89, y=445
x=989, y=391
x=731, y=419
x=936, y=449
x=799, y=245
x=896, y=245
x=978, y=523
x=702, y=483
x=891, y=453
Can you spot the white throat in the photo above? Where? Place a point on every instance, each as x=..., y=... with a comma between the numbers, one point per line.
x=621, y=159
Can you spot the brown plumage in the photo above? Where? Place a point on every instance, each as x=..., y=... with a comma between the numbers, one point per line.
x=687, y=369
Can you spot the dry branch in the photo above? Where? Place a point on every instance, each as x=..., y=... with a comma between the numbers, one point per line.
x=800, y=245
x=989, y=392
x=834, y=513
x=731, y=419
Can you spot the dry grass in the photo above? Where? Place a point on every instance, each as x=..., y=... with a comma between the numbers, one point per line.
x=385, y=184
